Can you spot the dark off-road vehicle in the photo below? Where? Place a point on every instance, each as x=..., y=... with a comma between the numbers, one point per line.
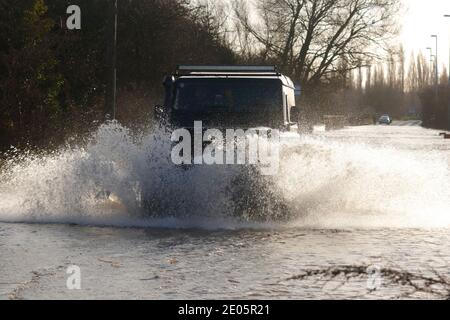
x=234, y=97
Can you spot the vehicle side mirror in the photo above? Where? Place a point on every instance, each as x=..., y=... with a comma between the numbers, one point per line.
x=298, y=90
x=294, y=114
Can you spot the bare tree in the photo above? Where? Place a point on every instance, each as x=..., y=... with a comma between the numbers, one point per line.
x=212, y=16
x=419, y=73
x=310, y=38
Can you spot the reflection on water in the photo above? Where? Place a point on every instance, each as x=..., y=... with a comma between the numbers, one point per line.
x=180, y=264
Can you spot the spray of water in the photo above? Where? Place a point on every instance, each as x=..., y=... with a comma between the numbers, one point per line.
x=350, y=184
x=118, y=180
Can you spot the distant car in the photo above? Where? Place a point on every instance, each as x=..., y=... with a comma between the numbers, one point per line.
x=385, y=119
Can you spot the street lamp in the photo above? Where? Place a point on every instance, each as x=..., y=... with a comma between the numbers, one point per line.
x=436, y=63
x=431, y=63
x=431, y=53
x=448, y=111
x=448, y=16
x=111, y=86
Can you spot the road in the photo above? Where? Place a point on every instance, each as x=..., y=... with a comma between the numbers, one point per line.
x=371, y=203
x=410, y=123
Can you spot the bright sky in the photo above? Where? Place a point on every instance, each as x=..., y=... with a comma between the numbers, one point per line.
x=421, y=19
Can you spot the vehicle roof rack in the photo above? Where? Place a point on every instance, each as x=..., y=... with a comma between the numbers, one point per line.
x=207, y=70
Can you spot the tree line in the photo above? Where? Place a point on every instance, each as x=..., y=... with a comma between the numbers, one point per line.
x=403, y=88
x=53, y=80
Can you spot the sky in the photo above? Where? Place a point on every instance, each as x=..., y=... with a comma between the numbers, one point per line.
x=421, y=19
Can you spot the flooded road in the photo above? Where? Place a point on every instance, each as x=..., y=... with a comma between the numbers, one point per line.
x=372, y=220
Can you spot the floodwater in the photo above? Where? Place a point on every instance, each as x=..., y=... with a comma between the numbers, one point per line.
x=369, y=218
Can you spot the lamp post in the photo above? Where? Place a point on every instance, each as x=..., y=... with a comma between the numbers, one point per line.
x=436, y=64
x=431, y=63
x=112, y=60
x=448, y=72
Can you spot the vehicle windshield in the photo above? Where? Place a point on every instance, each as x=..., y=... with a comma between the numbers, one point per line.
x=228, y=95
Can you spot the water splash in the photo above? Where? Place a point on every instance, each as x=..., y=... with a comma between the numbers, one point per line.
x=322, y=183
x=354, y=184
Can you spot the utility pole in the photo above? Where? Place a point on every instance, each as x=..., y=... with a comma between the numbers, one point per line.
x=111, y=87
